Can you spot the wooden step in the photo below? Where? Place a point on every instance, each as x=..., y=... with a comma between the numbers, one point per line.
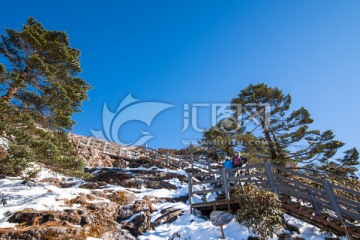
x=336, y=221
x=308, y=210
x=355, y=229
x=293, y=205
x=322, y=216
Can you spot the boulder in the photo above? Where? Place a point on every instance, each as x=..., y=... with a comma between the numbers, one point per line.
x=168, y=215
x=159, y=185
x=139, y=224
x=124, y=179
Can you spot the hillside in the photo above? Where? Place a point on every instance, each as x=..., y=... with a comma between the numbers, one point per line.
x=134, y=201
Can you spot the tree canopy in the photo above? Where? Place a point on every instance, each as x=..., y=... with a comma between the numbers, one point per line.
x=40, y=75
x=266, y=127
x=40, y=89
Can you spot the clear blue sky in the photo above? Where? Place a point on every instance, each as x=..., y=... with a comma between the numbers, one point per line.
x=207, y=51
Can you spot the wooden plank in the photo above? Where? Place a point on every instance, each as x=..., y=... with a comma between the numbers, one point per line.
x=290, y=191
x=213, y=190
x=318, y=191
x=249, y=176
x=206, y=174
x=347, y=203
x=270, y=177
x=219, y=180
x=350, y=214
x=296, y=173
x=331, y=196
x=345, y=189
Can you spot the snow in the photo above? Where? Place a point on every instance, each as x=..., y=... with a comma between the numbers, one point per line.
x=39, y=197
x=46, y=196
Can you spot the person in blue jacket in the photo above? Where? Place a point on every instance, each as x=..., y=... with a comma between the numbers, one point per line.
x=228, y=164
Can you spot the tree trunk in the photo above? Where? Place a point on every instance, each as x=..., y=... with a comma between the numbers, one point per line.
x=273, y=154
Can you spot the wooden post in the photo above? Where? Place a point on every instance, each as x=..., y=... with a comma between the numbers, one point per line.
x=167, y=158
x=204, y=194
x=222, y=232
x=225, y=183
x=120, y=151
x=334, y=204
x=331, y=197
x=105, y=145
x=144, y=147
x=156, y=154
x=192, y=159
x=190, y=190
x=270, y=177
x=88, y=141
x=314, y=203
x=180, y=158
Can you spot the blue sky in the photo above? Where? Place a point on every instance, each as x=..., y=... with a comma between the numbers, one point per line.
x=188, y=52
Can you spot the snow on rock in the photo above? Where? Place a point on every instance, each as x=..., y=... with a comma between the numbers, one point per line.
x=47, y=196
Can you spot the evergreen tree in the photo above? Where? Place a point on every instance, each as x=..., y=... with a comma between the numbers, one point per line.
x=39, y=91
x=271, y=130
x=345, y=166
x=40, y=75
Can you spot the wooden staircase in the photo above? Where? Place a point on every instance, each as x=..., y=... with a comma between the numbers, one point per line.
x=315, y=201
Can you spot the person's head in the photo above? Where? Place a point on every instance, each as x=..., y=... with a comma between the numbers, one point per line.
x=238, y=154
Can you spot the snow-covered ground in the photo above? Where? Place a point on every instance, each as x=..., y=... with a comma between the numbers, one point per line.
x=46, y=196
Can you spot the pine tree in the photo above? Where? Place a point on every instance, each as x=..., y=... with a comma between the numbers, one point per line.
x=40, y=75
x=39, y=91
x=271, y=130
x=345, y=166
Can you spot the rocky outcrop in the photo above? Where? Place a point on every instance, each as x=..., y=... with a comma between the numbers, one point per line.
x=137, y=217
x=58, y=183
x=95, y=158
x=168, y=215
x=124, y=179
x=94, y=216
x=136, y=178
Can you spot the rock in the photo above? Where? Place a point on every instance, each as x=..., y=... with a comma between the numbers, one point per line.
x=124, y=179
x=168, y=215
x=138, y=224
x=284, y=236
x=93, y=185
x=126, y=212
x=95, y=219
x=118, y=233
x=291, y=228
x=56, y=182
x=99, y=194
x=33, y=217
x=159, y=185
x=122, y=197
x=47, y=231
x=119, y=163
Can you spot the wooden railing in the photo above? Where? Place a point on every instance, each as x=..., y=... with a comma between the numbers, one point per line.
x=196, y=162
x=210, y=184
x=319, y=195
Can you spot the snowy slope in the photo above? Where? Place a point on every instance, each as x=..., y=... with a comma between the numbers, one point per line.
x=49, y=197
